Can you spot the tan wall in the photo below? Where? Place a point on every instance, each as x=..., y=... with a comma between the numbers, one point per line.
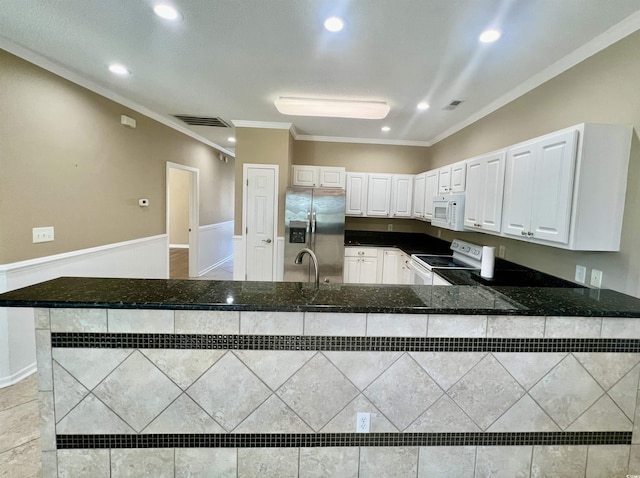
x=262, y=146
x=603, y=89
x=366, y=158
x=179, y=206
x=65, y=161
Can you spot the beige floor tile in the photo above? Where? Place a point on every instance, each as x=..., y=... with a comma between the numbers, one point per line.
x=19, y=425
x=22, y=392
x=22, y=461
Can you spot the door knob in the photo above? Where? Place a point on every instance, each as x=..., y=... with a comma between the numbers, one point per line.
x=268, y=241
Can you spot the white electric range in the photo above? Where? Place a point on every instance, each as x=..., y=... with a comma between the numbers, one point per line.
x=464, y=256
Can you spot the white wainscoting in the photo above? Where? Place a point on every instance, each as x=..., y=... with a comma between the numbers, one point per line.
x=215, y=246
x=139, y=258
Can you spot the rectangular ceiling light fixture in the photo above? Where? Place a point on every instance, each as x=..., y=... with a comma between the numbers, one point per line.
x=332, y=108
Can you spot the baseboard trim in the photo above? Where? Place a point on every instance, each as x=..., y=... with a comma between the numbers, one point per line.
x=18, y=376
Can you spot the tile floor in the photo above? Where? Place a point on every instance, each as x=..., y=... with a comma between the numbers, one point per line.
x=20, y=430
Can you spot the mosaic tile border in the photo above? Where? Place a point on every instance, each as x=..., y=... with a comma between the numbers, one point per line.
x=289, y=440
x=331, y=343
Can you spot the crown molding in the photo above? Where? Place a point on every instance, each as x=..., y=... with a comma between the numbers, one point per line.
x=69, y=75
x=614, y=34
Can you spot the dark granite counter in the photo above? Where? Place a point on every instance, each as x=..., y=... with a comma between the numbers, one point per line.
x=78, y=292
x=409, y=242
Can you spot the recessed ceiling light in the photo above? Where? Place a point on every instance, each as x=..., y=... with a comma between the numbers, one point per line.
x=332, y=108
x=385, y=129
x=231, y=139
x=423, y=106
x=489, y=36
x=334, y=24
x=118, y=69
x=166, y=11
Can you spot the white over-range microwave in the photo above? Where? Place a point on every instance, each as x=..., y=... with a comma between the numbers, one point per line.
x=448, y=212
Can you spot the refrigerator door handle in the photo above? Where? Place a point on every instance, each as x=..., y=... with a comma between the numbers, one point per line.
x=308, y=220
x=313, y=222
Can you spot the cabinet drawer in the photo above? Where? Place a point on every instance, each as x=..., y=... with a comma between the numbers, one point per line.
x=360, y=252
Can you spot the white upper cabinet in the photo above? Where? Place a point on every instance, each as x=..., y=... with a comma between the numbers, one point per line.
x=332, y=177
x=451, y=179
x=379, y=194
x=305, y=176
x=539, y=186
x=567, y=189
x=318, y=176
x=485, y=187
x=401, y=195
x=430, y=190
x=356, y=190
x=419, y=185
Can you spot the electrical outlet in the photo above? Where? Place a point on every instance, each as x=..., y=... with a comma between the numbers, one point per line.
x=596, y=278
x=389, y=227
x=501, y=251
x=439, y=233
x=42, y=234
x=581, y=274
x=362, y=422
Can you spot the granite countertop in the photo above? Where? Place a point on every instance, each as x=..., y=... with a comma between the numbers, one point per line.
x=80, y=292
x=409, y=242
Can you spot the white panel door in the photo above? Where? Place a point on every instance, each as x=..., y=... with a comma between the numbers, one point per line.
x=401, y=195
x=444, y=180
x=260, y=222
x=518, y=195
x=419, y=184
x=493, y=184
x=379, y=195
x=475, y=191
x=458, y=177
x=356, y=194
x=430, y=190
x=552, y=190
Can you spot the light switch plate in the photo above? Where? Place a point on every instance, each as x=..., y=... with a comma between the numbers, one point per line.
x=42, y=234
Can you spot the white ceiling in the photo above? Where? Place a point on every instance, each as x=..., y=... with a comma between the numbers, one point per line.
x=232, y=58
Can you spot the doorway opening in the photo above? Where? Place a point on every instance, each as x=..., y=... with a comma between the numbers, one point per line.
x=182, y=220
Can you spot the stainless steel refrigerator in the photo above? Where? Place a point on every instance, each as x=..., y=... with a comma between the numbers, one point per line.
x=314, y=219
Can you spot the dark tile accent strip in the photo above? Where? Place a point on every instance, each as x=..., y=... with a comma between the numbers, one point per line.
x=374, y=344
x=262, y=440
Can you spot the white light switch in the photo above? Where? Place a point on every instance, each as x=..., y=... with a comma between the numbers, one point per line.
x=42, y=234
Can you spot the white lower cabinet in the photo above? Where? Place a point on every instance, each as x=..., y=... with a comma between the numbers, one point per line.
x=375, y=265
x=361, y=265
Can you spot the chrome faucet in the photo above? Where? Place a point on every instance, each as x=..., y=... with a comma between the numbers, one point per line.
x=315, y=262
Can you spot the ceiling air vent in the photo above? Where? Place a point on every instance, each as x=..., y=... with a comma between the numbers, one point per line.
x=203, y=121
x=453, y=105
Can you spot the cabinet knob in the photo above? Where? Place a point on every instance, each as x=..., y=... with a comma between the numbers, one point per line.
x=529, y=233
x=523, y=233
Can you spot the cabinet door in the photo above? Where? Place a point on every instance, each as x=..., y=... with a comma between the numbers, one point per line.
x=390, y=266
x=458, y=177
x=356, y=194
x=331, y=177
x=518, y=194
x=553, y=187
x=430, y=190
x=368, y=270
x=306, y=176
x=401, y=195
x=475, y=193
x=379, y=195
x=493, y=184
x=405, y=272
x=444, y=180
x=351, y=270
x=419, y=184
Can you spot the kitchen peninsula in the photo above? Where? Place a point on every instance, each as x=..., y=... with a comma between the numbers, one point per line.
x=182, y=378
